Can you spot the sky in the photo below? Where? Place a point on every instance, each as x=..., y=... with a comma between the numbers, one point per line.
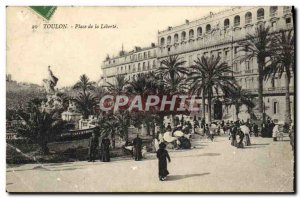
x=73, y=52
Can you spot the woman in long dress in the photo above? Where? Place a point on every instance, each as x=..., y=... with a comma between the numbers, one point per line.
x=162, y=155
x=105, y=150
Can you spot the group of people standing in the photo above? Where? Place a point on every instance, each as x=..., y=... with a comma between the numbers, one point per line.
x=94, y=148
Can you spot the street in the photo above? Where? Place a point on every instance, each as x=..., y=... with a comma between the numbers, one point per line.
x=265, y=166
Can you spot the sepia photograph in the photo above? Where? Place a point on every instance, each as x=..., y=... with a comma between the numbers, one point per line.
x=150, y=99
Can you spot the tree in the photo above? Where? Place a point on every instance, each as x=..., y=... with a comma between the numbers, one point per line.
x=85, y=99
x=118, y=87
x=40, y=127
x=283, y=47
x=258, y=45
x=209, y=74
x=238, y=98
x=171, y=69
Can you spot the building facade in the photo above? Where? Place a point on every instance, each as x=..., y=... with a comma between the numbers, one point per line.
x=218, y=34
x=139, y=60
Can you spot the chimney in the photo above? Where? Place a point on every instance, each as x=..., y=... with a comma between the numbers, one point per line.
x=169, y=28
x=187, y=21
x=152, y=44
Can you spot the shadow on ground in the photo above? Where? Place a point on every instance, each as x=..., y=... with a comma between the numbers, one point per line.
x=178, y=177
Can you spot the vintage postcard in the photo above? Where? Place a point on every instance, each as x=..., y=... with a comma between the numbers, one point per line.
x=150, y=99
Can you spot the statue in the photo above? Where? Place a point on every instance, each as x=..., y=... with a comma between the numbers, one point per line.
x=50, y=83
x=54, y=101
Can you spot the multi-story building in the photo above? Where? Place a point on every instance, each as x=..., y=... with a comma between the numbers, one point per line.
x=139, y=60
x=218, y=34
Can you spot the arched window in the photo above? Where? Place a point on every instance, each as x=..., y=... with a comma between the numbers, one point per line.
x=199, y=31
x=260, y=14
x=154, y=64
x=176, y=38
x=191, y=34
x=237, y=20
x=248, y=18
x=162, y=41
x=226, y=23
x=169, y=40
x=183, y=36
x=144, y=66
x=148, y=67
x=273, y=11
x=208, y=27
x=139, y=67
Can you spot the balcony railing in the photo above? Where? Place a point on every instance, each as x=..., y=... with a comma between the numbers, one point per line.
x=236, y=24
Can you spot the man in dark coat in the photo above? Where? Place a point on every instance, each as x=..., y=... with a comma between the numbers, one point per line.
x=93, y=145
x=105, y=150
x=162, y=155
x=137, y=143
x=255, y=130
x=233, y=132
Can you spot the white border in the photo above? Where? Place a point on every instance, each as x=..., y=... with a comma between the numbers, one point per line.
x=106, y=3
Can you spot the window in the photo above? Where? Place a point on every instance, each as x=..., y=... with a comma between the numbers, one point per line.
x=191, y=34
x=199, y=31
x=226, y=23
x=149, y=54
x=248, y=18
x=235, y=67
x=220, y=54
x=208, y=27
x=273, y=82
x=236, y=50
x=226, y=54
x=183, y=36
x=273, y=11
x=288, y=22
x=176, y=38
x=139, y=67
x=148, y=65
x=237, y=21
x=145, y=54
x=274, y=25
x=129, y=68
x=169, y=40
x=247, y=65
x=154, y=64
x=260, y=14
x=275, y=107
x=144, y=66
x=162, y=41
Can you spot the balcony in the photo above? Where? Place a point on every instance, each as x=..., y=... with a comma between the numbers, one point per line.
x=237, y=24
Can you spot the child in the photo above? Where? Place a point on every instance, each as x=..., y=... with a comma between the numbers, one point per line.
x=162, y=155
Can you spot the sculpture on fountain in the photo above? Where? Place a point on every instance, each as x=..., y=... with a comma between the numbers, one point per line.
x=54, y=102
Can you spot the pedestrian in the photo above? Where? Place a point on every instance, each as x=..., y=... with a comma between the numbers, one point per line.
x=93, y=145
x=233, y=133
x=275, y=132
x=105, y=144
x=162, y=155
x=137, y=143
x=255, y=129
x=241, y=137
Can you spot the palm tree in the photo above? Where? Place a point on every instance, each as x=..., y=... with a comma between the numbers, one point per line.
x=84, y=85
x=40, y=127
x=209, y=74
x=258, y=45
x=283, y=47
x=118, y=87
x=85, y=99
x=238, y=98
x=171, y=69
